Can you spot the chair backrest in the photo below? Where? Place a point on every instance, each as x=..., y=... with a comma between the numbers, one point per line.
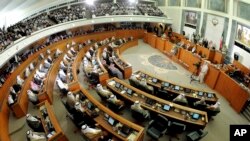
x=181, y=103
x=160, y=122
x=114, y=107
x=201, y=107
x=137, y=115
x=133, y=83
x=176, y=127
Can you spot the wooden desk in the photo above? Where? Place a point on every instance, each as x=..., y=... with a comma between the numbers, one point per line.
x=127, y=70
x=59, y=135
x=232, y=91
x=103, y=123
x=145, y=37
x=208, y=54
x=136, y=33
x=192, y=95
x=104, y=75
x=218, y=58
x=167, y=47
x=240, y=66
x=141, y=96
x=20, y=108
x=212, y=76
x=189, y=58
x=47, y=90
x=152, y=39
x=160, y=44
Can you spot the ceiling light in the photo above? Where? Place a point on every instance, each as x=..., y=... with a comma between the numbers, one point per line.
x=89, y=2
x=132, y=1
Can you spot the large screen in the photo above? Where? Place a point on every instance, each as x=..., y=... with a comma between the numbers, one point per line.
x=243, y=35
x=191, y=18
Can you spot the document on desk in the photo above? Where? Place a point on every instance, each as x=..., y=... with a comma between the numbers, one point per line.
x=111, y=83
x=131, y=137
x=123, y=92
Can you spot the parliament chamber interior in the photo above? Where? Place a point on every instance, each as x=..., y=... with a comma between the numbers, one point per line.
x=123, y=70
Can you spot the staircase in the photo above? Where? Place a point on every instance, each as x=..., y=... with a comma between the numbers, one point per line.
x=246, y=110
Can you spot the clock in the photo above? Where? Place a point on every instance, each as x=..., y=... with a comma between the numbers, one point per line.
x=215, y=21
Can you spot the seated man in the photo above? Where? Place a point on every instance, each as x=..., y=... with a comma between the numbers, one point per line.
x=181, y=99
x=200, y=102
x=63, y=66
x=43, y=69
x=78, y=107
x=145, y=87
x=103, y=92
x=116, y=71
x=89, y=132
x=40, y=74
x=58, y=52
x=13, y=93
x=214, y=107
x=62, y=76
x=34, y=123
x=116, y=101
x=35, y=136
x=72, y=99
x=10, y=101
x=33, y=98
x=62, y=86
x=137, y=107
x=31, y=66
x=35, y=87
x=49, y=59
x=27, y=72
x=73, y=51
x=134, y=78
x=19, y=80
x=47, y=64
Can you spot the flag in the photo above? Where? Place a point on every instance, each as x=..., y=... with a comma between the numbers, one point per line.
x=221, y=40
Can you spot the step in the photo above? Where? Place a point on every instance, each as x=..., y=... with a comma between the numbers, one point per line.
x=246, y=116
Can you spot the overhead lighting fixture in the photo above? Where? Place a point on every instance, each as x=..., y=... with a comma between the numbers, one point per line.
x=89, y=2
x=132, y=1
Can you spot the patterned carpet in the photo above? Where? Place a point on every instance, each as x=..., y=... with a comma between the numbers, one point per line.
x=161, y=62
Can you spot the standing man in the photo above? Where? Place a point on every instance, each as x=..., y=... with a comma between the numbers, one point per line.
x=203, y=72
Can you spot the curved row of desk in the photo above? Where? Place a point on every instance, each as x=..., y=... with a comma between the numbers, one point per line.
x=100, y=119
x=216, y=78
x=191, y=93
x=175, y=113
x=4, y=90
x=4, y=115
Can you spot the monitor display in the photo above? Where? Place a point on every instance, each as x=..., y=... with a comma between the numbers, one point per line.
x=90, y=106
x=154, y=80
x=200, y=93
x=166, y=84
x=129, y=91
x=111, y=121
x=117, y=85
x=195, y=116
x=177, y=88
x=209, y=95
x=166, y=107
